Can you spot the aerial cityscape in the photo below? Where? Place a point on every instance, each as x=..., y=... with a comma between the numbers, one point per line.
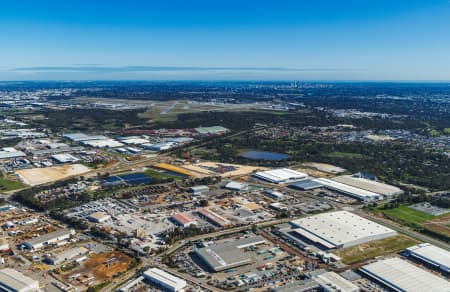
x=160, y=147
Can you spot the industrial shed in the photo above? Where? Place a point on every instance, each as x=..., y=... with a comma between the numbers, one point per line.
x=431, y=254
x=339, y=229
x=165, y=280
x=228, y=255
x=12, y=280
x=400, y=275
x=279, y=176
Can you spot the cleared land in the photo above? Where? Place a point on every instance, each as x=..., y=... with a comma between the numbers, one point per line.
x=375, y=248
x=37, y=176
x=440, y=225
x=107, y=265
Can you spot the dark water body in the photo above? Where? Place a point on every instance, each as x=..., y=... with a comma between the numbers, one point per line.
x=263, y=155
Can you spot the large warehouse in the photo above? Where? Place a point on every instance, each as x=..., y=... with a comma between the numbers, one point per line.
x=431, y=254
x=49, y=238
x=14, y=281
x=279, y=176
x=228, y=255
x=369, y=185
x=339, y=229
x=400, y=275
x=165, y=280
x=348, y=190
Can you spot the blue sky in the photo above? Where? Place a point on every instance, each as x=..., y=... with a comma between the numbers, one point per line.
x=222, y=40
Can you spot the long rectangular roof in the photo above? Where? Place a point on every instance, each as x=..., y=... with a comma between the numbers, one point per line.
x=369, y=185
x=10, y=278
x=432, y=254
x=401, y=275
x=49, y=236
x=347, y=189
x=280, y=175
x=341, y=228
x=166, y=278
x=225, y=255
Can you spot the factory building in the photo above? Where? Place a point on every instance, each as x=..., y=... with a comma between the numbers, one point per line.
x=198, y=190
x=305, y=185
x=70, y=254
x=236, y=186
x=332, y=282
x=165, y=280
x=339, y=229
x=228, y=255
x=348, y=190
x=183, y=220
x=214, y=218
x=431, y=254
x=14, y=281
x=369, y=185
x=49, y=238
x=276, y=195
x=9, y=152
x=279, y=176
x=214, y=130
x=400, y=275
x=99, y=217
x=64, y=158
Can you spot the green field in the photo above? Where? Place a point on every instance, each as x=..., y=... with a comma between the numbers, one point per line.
x=9, y=185
x=348, y=155
x=370, y=250
x=406, y=215
x=160, y=176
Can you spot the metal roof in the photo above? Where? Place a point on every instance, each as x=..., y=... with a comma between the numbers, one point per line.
x=341, y=228
x=431, y=254
x=229, y=254
x=12, y=279
x=167, y=279
x=401, y=275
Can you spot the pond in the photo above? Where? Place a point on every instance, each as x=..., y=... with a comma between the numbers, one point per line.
x=263, y=155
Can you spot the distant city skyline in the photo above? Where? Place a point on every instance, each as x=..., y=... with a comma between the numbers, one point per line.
x=405, y=40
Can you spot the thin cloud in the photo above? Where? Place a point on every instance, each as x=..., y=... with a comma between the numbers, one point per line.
x=130, y=69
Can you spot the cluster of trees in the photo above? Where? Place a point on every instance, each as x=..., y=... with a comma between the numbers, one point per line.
x=173, y=235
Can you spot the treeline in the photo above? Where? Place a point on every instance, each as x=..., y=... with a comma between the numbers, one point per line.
x=392, y=162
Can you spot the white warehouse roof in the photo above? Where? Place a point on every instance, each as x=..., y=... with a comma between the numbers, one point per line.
x=331, y=279
x=12, y=280
x=347, y=189
x=401, y=275
x=281, y=175
x=369, y=185
x=431, y=254
x=165, y=279
x=340, y=229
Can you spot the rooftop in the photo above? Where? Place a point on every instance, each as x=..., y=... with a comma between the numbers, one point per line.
x=16, y=280
x=401, y=275
x=340, y=228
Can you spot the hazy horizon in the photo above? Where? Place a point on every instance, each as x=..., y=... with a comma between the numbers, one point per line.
x=211, y=40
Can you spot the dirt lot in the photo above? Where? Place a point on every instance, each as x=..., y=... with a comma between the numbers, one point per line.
x=439, y=225
x=37, y=176
x=106, y=265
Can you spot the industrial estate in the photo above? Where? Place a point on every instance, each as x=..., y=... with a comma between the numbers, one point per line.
x=202, y=194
